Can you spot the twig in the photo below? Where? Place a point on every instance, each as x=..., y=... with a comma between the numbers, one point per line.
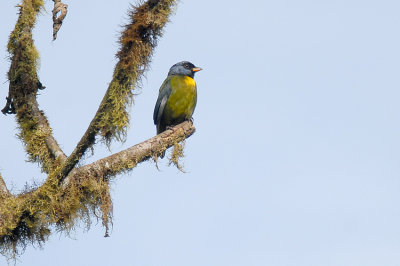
x=59, y=12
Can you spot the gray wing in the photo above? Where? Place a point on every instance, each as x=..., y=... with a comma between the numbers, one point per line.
x=163, y=96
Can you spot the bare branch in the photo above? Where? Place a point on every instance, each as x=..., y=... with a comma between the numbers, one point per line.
x=137, y=43
x=130, y=157
x=59, y=12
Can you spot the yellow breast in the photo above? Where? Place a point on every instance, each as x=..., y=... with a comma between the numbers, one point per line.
x=182, y=101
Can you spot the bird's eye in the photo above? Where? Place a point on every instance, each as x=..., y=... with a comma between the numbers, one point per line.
x=186, y=66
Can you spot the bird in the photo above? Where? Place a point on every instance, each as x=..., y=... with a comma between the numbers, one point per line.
x=177, y=97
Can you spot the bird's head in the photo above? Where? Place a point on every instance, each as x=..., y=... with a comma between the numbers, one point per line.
x=184, y=68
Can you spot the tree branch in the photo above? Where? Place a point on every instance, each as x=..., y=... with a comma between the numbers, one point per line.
x=30, y=216
x=35, y=130
x=129, y=158
x=137, y=43
x=59, y=12
x=51, y=143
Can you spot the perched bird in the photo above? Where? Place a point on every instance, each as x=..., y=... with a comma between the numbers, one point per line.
x=177, y=97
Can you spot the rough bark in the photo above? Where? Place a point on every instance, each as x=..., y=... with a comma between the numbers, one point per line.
x=59, y=12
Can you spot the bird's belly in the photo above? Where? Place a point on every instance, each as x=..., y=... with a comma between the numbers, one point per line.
x=181, y=103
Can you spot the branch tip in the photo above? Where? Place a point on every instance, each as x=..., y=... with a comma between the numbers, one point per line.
x=59, y=13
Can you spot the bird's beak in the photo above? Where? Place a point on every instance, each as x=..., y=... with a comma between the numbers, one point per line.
x=196, y=69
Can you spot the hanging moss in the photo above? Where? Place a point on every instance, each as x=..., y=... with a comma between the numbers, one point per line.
x=29, y=217
x=176, y=155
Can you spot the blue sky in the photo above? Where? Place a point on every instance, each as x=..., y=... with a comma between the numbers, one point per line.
x=295, y=160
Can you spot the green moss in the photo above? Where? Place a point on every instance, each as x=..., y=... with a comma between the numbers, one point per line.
x=28, y=11
x=24, y=84
x=29, y=217
x=176, y=155
x=34, y=138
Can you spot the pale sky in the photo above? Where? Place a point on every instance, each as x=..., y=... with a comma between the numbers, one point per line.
x=295, y=161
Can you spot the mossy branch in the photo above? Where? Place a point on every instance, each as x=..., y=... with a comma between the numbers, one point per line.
x=138, y=40
x=35, y=130
x=28, y=217
x=129, y=158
